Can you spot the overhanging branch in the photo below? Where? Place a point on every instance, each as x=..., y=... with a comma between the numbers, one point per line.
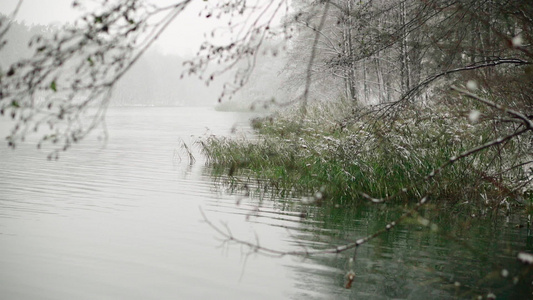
x=474, y=66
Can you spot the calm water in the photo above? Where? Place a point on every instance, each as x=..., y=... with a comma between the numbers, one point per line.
x=121, y=220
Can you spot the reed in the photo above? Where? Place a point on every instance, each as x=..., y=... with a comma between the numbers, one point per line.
x=342, y=155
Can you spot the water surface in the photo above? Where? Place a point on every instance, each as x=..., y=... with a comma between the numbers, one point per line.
x=121, y=220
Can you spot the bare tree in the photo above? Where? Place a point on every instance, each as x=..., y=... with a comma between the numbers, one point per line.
x=63, y=90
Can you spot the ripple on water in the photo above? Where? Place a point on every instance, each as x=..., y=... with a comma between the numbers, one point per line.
x=123, y=219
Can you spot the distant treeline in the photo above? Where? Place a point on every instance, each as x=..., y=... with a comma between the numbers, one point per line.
x=153, y=80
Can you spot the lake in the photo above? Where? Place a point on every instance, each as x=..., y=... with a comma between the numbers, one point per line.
x=121, y=219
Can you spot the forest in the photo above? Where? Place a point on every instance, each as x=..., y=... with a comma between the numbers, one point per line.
x=400, y=99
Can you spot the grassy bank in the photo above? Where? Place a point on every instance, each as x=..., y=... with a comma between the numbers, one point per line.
x=341, y=155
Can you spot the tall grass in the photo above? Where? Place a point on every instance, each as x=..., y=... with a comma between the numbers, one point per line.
x=339, y=154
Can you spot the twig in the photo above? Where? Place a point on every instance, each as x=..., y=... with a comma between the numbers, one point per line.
x=525, y=120
x=256, y=248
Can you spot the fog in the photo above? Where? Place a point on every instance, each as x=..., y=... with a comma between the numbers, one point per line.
x=156, y=79
x=188, y=27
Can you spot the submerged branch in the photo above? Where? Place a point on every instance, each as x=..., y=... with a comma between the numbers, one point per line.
x=256, y=247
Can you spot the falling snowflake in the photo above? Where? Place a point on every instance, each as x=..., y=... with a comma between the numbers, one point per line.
x=471, y=85
x=474, y=116
x=517, y=41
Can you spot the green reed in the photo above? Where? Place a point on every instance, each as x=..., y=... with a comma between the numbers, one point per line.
x=340, y=154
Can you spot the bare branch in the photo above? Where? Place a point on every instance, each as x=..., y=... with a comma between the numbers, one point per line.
x=305, y=96
x=525, y=120
x=474, y=66
x=254, y=246
x=10, y=20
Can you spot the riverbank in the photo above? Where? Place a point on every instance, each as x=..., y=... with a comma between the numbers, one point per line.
x=340, y=154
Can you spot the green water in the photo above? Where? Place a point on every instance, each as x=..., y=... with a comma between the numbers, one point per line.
x=433, y=254
x=455, y=256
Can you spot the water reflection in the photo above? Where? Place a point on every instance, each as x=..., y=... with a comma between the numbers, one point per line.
x=122, y=220
x=456, y=257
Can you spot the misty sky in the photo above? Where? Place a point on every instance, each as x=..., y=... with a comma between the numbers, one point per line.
x=183, y=37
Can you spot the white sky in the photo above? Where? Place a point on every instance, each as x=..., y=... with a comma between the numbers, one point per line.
x=183, y=37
